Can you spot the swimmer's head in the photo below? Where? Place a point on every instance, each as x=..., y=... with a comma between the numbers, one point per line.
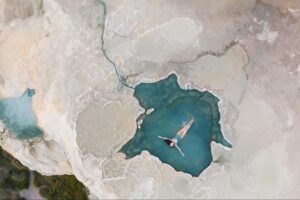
x=170, y=142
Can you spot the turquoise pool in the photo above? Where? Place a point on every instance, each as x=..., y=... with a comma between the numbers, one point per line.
x=18, y=117
x=173, y=107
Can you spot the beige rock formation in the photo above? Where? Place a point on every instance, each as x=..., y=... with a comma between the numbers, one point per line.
x=245, y=52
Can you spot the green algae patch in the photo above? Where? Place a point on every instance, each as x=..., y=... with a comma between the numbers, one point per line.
x=13, y=176
x=60, y=187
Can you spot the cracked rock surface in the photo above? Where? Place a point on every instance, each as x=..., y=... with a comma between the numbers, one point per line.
x=84, y=58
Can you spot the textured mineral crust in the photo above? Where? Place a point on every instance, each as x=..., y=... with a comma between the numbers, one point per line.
x=84, y=59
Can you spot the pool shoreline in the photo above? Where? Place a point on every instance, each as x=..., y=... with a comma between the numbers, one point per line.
x=154, y=98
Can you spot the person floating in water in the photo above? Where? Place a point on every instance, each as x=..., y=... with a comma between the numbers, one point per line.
x=180, y=134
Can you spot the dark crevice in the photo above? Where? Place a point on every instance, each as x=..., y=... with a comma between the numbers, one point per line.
x=205, y=53
x=121, y=78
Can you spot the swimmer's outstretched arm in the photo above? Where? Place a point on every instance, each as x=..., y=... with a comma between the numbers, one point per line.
x=163, y=138
x=179, y=150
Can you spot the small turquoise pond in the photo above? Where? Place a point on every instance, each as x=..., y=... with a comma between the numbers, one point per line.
x=173, y=107
x=18, y=117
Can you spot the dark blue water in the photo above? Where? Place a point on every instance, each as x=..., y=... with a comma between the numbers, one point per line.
x=173, y=108
x=18, y=117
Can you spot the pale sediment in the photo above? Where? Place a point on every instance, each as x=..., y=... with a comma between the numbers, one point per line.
x=59, y=54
